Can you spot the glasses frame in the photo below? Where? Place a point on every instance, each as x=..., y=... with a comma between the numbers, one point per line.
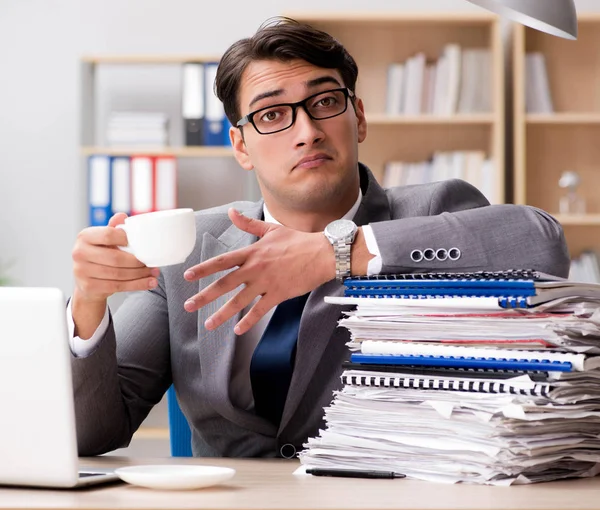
x=249, y=119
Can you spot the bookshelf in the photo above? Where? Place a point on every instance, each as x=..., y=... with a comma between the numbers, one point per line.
x=90, y=66
x=179, y=152
x=376, y=40
x=545, y=145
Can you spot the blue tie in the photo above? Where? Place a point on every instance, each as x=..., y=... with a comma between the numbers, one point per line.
x=273, y=359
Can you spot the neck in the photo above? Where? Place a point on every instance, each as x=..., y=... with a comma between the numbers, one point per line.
x=312, y=220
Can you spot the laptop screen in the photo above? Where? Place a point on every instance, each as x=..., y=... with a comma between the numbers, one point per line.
x=38, y=443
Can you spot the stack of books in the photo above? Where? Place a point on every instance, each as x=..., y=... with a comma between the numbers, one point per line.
x=488, y=377
x=471, y=166
x=459, y=81
x=138, y=129
x=586, y=267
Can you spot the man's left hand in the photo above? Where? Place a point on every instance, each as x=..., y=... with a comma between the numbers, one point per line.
x=282, y=264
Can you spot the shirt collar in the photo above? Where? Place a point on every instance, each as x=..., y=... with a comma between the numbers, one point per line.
x=348, y=216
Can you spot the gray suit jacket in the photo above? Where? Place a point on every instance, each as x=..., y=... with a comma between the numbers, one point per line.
x=152, y=342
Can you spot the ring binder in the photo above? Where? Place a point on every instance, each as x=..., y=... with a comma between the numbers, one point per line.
x=538, y=390
x=463, y=362
x=509, y=274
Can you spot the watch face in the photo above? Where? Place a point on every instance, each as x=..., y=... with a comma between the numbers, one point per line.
x=340, y=228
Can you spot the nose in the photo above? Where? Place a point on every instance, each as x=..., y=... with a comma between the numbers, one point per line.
x=306, y=130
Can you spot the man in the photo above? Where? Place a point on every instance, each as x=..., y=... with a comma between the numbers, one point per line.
x=289, y=92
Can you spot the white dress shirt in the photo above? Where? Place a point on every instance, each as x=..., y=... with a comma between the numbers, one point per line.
x=240, y=387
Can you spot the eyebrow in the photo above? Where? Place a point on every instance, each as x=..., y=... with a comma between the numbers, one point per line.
x=310, y=84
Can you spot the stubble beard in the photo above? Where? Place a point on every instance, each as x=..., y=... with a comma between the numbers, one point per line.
x=310, y=198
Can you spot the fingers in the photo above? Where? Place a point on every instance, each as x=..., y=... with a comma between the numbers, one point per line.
x=251, y=225
x=96, y=287
x=105, y=256
x=216, y=264
x=102, y=272
x=103, y=236
x=221, y=286
x=257, y=312
x=234, y=306
x=101, y=269
x=117, y=219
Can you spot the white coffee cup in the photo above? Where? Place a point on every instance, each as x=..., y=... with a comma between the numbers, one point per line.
x=160, y=238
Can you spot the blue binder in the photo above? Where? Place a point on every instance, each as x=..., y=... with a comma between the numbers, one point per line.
x=99, y=190
x=216, y=124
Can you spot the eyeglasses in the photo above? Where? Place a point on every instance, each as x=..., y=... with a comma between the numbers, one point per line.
x=279, y=117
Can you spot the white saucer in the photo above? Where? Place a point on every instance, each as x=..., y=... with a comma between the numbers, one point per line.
x=174, y=477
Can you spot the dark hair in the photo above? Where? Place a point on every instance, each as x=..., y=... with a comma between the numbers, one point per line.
x=283, y=39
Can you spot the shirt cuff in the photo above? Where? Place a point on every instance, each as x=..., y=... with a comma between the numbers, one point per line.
x=376, y=263
x=79, y=346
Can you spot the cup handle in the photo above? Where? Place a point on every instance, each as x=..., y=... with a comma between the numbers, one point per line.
x=124, y=248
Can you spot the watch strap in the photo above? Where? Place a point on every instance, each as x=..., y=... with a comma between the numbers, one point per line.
x=342, y=250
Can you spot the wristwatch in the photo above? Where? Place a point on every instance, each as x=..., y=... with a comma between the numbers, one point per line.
x=341, y=234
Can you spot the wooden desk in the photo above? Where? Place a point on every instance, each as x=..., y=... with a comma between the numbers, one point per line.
x=269, y=484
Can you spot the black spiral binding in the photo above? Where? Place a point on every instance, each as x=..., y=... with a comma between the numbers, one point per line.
x=509, y=274
x=443, y=385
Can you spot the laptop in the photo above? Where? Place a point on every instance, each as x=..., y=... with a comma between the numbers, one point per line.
x=38, y=444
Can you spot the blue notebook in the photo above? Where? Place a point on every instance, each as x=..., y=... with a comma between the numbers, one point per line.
x=461, y=362
x=513, y=288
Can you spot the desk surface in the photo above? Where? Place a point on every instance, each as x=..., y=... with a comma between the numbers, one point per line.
x=269, y=484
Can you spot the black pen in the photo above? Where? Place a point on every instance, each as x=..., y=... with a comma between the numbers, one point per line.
x=353, y=473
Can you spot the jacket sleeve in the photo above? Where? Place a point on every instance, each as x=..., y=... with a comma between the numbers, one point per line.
x=482, y=237
x=117, y=385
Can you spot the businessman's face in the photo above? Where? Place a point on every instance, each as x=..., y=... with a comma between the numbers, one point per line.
x=313, y=163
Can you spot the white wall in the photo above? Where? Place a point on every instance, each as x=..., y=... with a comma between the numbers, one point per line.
x=42, y=194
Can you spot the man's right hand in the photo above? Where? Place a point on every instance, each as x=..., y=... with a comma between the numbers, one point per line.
x=100, y=270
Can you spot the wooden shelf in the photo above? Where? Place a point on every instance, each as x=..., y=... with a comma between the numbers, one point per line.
x=387, y=120
x=395, y=17
x=546, y=145
x=563, y=118
x=578, y=219
x=147, y=59
x=179, y=152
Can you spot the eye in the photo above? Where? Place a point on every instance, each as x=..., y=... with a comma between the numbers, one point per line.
x=270, y=116
x=326, y=102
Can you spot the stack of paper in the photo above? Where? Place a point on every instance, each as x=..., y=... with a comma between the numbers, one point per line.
x=137, y=129
x=452, y=389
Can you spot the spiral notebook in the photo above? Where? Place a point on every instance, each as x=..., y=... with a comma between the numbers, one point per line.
x=507, y=289
x=508, y=274
x=462, y=373
x=470, y=362
x=436, y=355
x=433, y=383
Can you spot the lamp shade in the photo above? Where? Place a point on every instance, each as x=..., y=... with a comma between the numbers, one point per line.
x=556, y=17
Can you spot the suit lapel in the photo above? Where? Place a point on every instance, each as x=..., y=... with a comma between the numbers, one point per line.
x=319, y=319
x=217, y=347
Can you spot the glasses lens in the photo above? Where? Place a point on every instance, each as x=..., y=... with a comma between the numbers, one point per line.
x=328, y=104
x=273, y=119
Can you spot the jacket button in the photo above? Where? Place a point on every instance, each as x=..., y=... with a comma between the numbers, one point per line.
x=416, y=255
x=288, y=451
x=429, y=254
x=441, y=254
x=454, y=253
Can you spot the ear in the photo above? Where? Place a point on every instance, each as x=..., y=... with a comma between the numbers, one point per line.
x=361, y=121
x=239, y=148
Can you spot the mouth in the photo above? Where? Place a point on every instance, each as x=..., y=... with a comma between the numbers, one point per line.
x=313, y=161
